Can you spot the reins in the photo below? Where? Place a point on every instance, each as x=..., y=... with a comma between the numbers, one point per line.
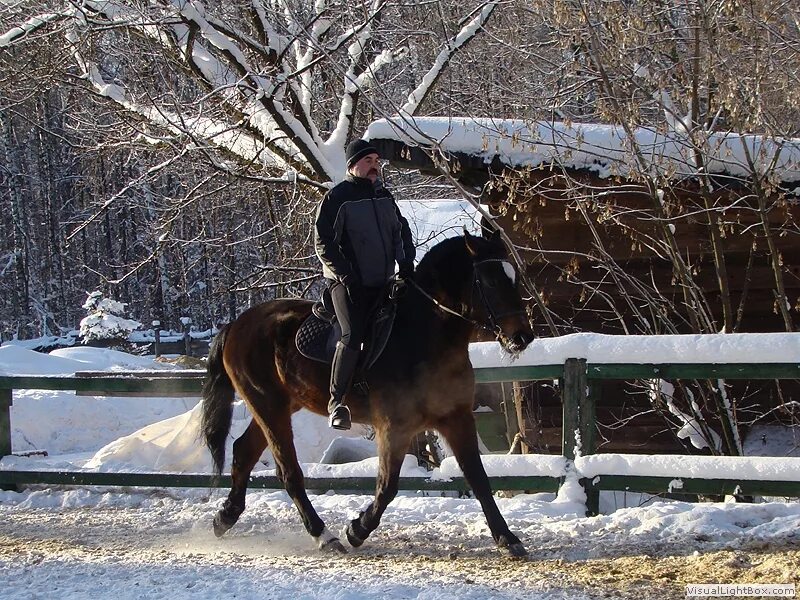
x=444, y=308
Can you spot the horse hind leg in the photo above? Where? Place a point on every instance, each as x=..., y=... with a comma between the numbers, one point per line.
x=459, y=431
x=247, y=449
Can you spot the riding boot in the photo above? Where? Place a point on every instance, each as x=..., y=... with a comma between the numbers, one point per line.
x=342, y=369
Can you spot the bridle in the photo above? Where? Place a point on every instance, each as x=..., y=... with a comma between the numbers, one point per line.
x=493, y=315
x=492, y=324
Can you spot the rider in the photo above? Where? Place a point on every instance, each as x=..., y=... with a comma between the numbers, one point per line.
x=359, y=234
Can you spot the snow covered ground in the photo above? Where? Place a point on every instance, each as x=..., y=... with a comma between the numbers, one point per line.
x=154, y=543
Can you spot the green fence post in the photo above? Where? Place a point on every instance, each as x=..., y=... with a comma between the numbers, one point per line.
x=6, y=395
x=573, y=397
x=5, y=421
x=588, y=429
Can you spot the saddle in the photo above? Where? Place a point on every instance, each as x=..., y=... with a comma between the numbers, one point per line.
x=316, y=339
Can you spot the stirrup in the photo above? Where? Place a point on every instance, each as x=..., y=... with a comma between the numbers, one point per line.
x=340, y=418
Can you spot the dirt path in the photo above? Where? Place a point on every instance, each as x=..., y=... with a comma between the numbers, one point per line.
x=150, y=549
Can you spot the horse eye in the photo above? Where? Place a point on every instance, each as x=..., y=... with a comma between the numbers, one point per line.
x=491, y=281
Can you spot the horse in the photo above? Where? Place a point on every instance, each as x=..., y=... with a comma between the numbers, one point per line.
x=423, y=380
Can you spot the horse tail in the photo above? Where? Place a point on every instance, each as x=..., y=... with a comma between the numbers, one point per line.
x=218, y=394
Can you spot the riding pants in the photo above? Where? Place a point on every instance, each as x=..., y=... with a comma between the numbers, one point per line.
x=352, y=311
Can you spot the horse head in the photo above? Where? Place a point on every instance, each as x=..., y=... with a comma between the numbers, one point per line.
x=496, y=301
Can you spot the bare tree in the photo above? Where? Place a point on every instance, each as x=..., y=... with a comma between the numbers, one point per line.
x=192, y=118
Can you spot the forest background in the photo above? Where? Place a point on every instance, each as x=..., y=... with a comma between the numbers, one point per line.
x=172, y=153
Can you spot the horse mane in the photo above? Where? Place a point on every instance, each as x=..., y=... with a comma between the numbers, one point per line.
x=450, y=260
x=451, y=252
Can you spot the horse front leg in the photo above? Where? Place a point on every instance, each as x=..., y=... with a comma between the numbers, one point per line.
x=392, y=447
x=247, y=450
x=459, y=431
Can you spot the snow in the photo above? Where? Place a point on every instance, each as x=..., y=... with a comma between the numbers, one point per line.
x=106, y=359
x=641, y=349
x=173, y=445
x=15, y=360
x=134, y=543
x=745, y=468
x=604, y=149
x=431, y=221
x=29, y=26
x=465, y=35
x=506, y=465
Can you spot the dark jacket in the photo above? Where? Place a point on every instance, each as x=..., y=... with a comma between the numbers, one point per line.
x=359, y=234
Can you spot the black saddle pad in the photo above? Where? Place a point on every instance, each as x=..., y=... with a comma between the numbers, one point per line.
x=316, y=339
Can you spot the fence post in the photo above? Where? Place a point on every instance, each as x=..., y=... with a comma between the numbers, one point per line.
x=573, y=397
x=157, y=335
x=579, y=419
x=588, y=429
x=187, y=340
x=510, y=414
x=5, y=421
x=5, y=429
x=519, y=400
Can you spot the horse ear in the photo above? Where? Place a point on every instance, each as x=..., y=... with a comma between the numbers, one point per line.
x=471, y=242
x=495, y=237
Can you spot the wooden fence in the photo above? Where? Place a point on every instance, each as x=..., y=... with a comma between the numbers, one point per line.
x=579, y=383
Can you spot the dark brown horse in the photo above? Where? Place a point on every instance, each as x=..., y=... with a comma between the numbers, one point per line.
x=423, y=380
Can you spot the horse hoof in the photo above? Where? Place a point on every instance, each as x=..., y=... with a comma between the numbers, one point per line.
x=352, y=538
x=327, y=542
x=221, y=525
x=333, y=546
x=516, y=550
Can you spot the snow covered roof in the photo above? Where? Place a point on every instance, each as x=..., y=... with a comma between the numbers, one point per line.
x=603, y=149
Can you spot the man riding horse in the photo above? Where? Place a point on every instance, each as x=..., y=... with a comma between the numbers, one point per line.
x=359, y=235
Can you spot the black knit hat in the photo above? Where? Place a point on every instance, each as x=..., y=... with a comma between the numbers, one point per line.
x=358, y=149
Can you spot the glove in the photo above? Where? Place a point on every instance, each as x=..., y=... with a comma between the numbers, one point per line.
x=398, y=289
x=406, y=272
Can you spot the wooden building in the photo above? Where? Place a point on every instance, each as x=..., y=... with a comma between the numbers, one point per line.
x=648, y=233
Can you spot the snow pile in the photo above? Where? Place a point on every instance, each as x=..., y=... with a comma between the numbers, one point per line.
x=15, y=360
x=599, y=348
x=604, y=149
x=362, y=468
x=174, y=445
x=62, y=422
x=105, y=359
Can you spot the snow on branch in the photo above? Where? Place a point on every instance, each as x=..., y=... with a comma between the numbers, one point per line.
x=105, y=319
x=212, y=131
x=265, y=79
x=257, y=97
x=416, y=97
x=30, y=26
x=355, y=51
